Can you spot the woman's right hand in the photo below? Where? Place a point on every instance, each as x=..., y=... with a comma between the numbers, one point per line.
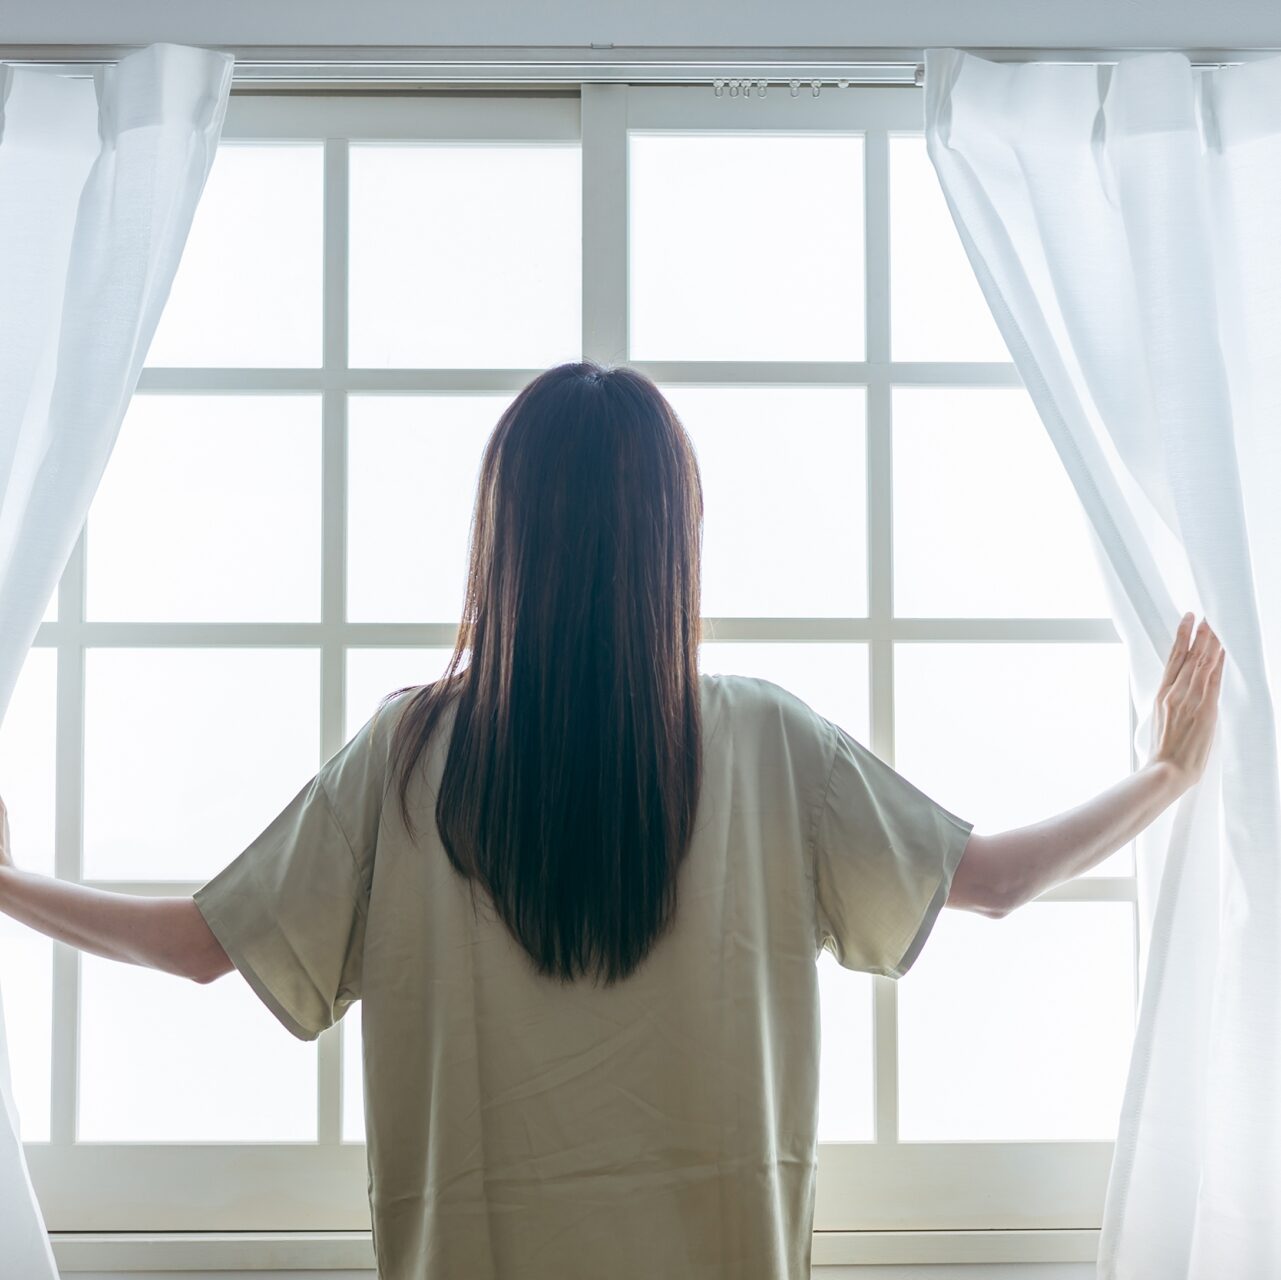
x=1187, y=702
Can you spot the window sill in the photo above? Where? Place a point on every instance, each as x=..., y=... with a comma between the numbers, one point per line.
x=352, y=1250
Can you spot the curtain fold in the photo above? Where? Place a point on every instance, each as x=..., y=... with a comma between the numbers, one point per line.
x=99, y=180
x=1122, y=222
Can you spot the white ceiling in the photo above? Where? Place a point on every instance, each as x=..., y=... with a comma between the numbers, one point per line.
x=898, y=24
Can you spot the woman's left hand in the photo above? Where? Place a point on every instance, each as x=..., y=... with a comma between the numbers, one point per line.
x=6, y=852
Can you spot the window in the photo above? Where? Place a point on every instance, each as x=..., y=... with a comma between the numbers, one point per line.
x=279, y=540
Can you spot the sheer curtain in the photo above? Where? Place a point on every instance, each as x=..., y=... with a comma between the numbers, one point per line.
x=1125, y=225
x=99, y=179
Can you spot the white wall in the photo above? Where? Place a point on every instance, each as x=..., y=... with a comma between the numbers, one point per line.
x=1191, y=24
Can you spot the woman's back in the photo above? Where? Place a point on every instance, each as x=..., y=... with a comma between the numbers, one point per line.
x=664, y=1125
x=581, y=890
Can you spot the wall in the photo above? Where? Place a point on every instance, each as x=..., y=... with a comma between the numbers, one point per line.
x=1191, y=24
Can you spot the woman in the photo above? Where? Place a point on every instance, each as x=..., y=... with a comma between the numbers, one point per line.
x=581, y=890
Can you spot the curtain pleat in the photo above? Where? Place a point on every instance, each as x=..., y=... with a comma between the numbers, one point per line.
x=1122, y=222
x=99, y=181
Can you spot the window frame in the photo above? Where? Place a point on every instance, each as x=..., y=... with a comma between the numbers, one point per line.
x=863, y=1187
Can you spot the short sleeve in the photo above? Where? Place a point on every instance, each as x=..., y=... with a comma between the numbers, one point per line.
x=884, y=858
x=290, y=910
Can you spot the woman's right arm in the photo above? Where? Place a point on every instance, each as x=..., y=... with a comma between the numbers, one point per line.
x=1000, y=872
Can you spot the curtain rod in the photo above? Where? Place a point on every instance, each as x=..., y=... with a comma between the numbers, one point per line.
x=266, y=67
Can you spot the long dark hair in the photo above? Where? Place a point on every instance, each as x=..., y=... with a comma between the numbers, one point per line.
x=575, y=760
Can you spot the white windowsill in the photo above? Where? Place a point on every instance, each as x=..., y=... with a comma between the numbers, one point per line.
x=351, y=1250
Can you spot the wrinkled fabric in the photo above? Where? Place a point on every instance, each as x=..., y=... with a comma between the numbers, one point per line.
x=518, y=1127
x=1123, y=224
x=99, y=179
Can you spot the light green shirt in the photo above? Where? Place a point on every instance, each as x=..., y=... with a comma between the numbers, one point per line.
x=519, y=1129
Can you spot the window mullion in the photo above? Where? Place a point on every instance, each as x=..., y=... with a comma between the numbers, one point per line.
x=1092, y=889
x=876, y=194
x=605, y=248
x=68, y=840
x=880, y=566
x=333, y=591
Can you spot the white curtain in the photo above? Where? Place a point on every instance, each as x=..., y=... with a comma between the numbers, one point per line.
x=99, y=178
x=1125, y=226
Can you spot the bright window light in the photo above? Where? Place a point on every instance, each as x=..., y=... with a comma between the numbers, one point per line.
x=746, y=247
x=465, y=257
x=248, y=290
x=209, y=744
x=784, y=498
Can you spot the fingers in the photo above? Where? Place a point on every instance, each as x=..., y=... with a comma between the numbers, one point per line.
x=1202, y=661
x=1191, y=666
x=1208, y=686
x=1201, y=642
x=1178, y=652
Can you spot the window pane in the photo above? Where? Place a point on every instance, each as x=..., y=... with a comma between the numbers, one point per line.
x=27, y=745
x=746, y=246
x=412, y=467
x=1019, y=1028
x=374, y=673
x=26, y=989
x=846, y=1092
x=986, y=522
x=938, y=311
x=248, y=290
x=353, y=1079
x=209, y=510
x=1008, y=734
x=465, y=256
x=163, y=1060
x=784, y=495
x=190, y=753
x=831, y=678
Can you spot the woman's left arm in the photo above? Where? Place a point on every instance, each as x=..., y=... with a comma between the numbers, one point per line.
x=161, y=933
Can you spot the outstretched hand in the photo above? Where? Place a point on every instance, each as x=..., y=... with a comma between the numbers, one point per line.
x=1187, y=701
x=6, y=854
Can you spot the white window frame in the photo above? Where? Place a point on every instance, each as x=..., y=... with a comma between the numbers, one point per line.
x=1046, y=1192
x=883, y=1185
